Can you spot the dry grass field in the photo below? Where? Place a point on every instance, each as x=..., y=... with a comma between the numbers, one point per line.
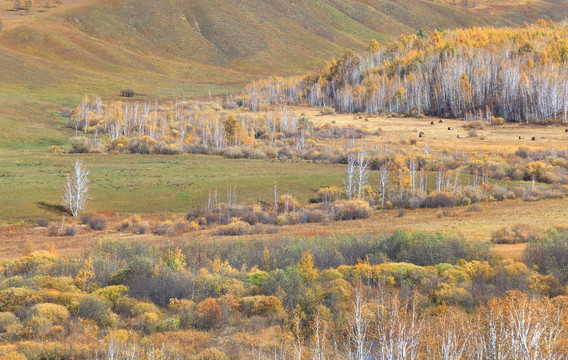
x=400, y=129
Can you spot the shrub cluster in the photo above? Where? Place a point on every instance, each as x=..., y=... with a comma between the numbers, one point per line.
x=520, y=233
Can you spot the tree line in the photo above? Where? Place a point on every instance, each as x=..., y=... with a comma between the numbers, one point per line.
x=517, y=74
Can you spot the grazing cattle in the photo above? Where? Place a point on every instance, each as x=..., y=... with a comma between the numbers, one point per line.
x=533, y=138
x=421, y=134
x=520, y=138
x=449, y=128
x=432, y=123
x=441, y=121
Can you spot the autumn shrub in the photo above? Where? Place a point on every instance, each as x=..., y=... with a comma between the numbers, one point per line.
x=78, y=145
x=212, y=354
x=183, y=308
x=261, y=305
x=549, y=254
x=43, y=222
x=144, y=145
x=97, y=223
x=441, y=199
x=408, y=200
x=208, y=314
x=55, y=313
x=500, y=193
x=520, y=233
x=424, y=248
x=475, y=124
x=351, y=209
x=523, y=152
x=169, y=324
x=235, y=228
x=70, y=230
x=250, y=217
x=157, y=283
x=164, y=148
x=258, y=154
x=326, y=110
x=54, y=149
x=8, y=321
x=112, y=293
x=40, y=262
x=498, y=121
x=85, y=218
x=327, y=194
x=473, y=194
x=552, y=194
x=163, y=227
x=148, y=322
x=96, y=308
x=236, y=152
x=141, y=227
x=180, y=226
x=310, y=215
x=264, y=229
x=127, y=92
x=451, y=295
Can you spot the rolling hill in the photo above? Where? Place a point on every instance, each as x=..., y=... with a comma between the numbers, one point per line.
x=50, y=56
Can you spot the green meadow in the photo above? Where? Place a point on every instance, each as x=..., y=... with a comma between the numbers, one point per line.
x=31, y=183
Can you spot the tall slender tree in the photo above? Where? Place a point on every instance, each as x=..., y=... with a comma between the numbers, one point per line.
x=76, y=189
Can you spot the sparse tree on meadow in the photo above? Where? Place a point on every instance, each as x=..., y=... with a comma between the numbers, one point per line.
x=349, y=180
x=413, y=167
x=384, y=179
x=76, y=190
x=362, y=172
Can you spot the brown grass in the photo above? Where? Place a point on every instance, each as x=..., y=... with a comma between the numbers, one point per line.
x=504, y=138
x=474, y=226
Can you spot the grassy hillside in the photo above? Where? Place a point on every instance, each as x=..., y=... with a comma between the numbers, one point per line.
x=165, y=48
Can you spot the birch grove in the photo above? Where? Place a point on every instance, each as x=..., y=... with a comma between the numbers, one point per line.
x=519, y=74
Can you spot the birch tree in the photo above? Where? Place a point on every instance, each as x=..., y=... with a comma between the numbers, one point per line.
x=349, y=180
x=359, y=325
x=362, y=172
x=384, y=179
x=76, y=189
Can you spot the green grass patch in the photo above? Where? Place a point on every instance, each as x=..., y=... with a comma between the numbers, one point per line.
x=31, y=183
